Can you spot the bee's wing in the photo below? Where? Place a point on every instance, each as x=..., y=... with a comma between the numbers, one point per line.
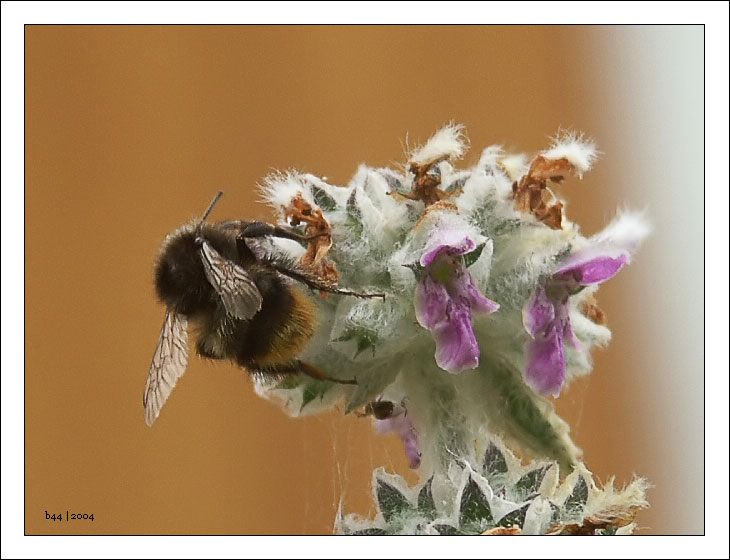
x=240, y=295
x=168, y=364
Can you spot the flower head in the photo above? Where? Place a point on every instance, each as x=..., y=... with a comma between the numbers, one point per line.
x=437, y=241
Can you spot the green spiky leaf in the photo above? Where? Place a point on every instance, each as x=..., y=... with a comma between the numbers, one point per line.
x=314, y=390
x=529, y=483
x=370, y=531
x=391, y=502
x=576, y=502
x=444, y=529
x=364, y=339
x=470, y=258
x=394, y=183
x=426, y=505
x=474, y=510
x=523, y=415
x=354, y=216
x=456, y=185
x=323, y=199
x=289, y=382
x=555, y=515
x=515, y=517
x=494, y=461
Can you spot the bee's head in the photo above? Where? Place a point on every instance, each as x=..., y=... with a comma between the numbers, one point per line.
x=180, y=279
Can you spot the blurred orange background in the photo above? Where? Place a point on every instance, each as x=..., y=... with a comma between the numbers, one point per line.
x=130, y=130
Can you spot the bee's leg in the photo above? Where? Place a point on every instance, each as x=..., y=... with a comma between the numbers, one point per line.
x=206, y=352
x=317, y=284
x=210, y=345
x=316, y=373
x=252, y=230
x=296, y=367
x=244, y=251
x=237, y=225
x=263, y=229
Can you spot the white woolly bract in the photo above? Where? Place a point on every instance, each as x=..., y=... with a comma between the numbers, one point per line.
x=292, y=402
x=515, y=165
x=481, y=189
x=490, y=157
x=439, y=227
x=588, y=332
x=279, y=189
x=537, y=518
x=393, y=213
x=580, y=152
x=621, y=238
x=449, y=142
x=289, y=247
x=625, y=232
x=339, y=194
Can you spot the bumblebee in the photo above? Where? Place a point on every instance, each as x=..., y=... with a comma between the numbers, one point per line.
x=245, y=308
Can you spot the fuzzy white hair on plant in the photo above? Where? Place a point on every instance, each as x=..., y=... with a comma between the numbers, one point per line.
x=627, y=230
x=581, y=152
x=449, y=143
x=382, y=214
x=515, y=165
x=279, y=189
x=490, y=157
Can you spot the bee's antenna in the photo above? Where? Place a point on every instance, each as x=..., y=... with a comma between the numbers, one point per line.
x=212, y=204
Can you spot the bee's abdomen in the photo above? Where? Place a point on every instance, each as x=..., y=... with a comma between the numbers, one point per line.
x=180, y=279
x=278, y=332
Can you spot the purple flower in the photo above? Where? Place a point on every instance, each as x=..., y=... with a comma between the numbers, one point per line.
x=546, y=315
x=446, y=297
x=401, y=424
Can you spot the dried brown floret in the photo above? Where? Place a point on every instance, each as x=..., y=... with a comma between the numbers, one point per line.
x=513, y=530
x=532, y=194
x=315, y=259
x=610, y=518
x=427, y=184
x=589, y=308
